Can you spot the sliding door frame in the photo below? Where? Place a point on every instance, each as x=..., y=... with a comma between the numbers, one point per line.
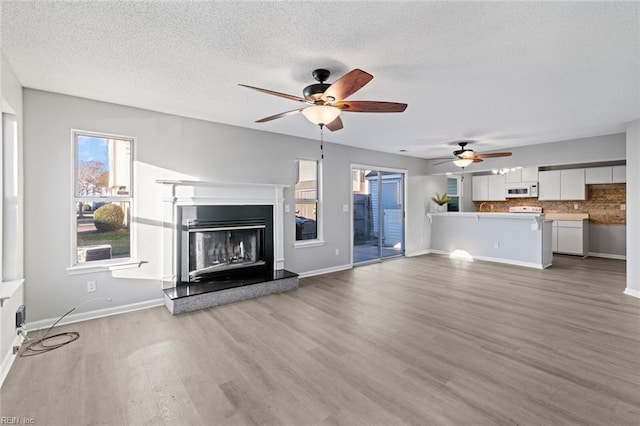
x=405, y=173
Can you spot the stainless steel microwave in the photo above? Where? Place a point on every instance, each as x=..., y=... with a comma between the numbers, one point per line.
x=521, y=190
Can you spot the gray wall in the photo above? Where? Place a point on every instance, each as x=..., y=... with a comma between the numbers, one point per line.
x=467, y=203
x=172, y=147
x=608, y=239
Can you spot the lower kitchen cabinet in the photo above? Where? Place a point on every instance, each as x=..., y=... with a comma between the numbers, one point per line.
x=570, y=237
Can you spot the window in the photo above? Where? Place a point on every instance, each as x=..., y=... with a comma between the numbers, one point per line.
x=102, y=197
x=453, y=191
x=307, y=200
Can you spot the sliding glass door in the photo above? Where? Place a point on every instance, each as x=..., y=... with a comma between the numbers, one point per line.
x=378, y=214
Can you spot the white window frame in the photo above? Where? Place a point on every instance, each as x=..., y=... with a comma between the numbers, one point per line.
x=108, y=264
x=319, y=240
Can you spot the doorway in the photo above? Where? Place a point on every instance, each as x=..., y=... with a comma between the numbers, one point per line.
x=378, y=214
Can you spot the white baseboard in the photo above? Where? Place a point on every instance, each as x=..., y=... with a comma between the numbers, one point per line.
x=631, y=292
x=325, y=270
x=608, y=256
x=9, y=357
x=100, y=313
x=418, y=253
x=497, y=260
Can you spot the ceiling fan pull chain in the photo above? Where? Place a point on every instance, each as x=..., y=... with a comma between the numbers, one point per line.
x=322, y=141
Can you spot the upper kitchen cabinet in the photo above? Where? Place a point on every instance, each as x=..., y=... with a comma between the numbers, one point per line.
x=594, y=175
x=619, y=174
x=524, y=174
x=497, y=188
x=562, y=185
x=549, y=185
x=572, y=186
x=488, y=188
x=615, y=174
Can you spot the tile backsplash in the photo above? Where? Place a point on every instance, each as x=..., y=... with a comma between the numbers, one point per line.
x=602, y=204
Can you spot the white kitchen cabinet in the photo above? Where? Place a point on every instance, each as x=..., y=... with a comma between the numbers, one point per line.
x=513, y=176
x=488, y=188
x=549, y=185
x=619, y=174
x=570, y=237
x=597, y=175
x=523, y=174
x=496, y=188
x=529, y=174
x=561, y=185
x=572, y=186
x=480, y=188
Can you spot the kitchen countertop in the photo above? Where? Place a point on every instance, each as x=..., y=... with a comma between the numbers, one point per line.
x=567, y=216
x=488, y=214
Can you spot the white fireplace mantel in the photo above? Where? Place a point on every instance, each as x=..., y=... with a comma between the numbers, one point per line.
x=190, y=193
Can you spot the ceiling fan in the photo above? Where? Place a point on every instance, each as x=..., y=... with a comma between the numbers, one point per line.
x=465, y=156
x=326, y=101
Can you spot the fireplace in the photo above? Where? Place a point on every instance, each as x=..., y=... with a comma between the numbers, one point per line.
x=224, y=241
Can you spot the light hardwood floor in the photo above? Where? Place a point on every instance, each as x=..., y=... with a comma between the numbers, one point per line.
x=424, y=340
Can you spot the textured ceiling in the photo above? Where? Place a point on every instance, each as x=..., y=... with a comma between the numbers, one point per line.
x=502, y=74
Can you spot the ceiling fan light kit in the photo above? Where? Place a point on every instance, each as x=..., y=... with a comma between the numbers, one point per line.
x=326, y=100
x=464, y=156
x=321, y=114
x=463, y=162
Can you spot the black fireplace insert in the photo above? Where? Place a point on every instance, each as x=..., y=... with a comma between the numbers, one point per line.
x=222, y=242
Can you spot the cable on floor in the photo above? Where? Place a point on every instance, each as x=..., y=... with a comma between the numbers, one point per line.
x=39, y=345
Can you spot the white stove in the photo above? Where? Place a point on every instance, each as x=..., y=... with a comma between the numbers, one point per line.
x=525, y=209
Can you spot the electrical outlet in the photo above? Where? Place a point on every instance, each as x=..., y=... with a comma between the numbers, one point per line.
x=496, y=245
x=337, y=252
x=91, y=286
x=345, y=208
x=576, y=206
x=287, y=209
x=623, y=206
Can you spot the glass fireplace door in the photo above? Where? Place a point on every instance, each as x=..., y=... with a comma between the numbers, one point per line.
x=218, y=249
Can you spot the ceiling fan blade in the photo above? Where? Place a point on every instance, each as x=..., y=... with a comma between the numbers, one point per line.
x=494, y=155
x=371, y=106
x=478, y=160
x=282, y=114
x=443, y=162
x=335, y=124
x=271, y=92
x=347, y=85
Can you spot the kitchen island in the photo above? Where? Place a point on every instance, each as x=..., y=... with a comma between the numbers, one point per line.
x=523, y=239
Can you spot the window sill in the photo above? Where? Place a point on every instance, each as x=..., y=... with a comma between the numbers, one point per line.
x=104, y=267
x=309, y=244
x=8, y=289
